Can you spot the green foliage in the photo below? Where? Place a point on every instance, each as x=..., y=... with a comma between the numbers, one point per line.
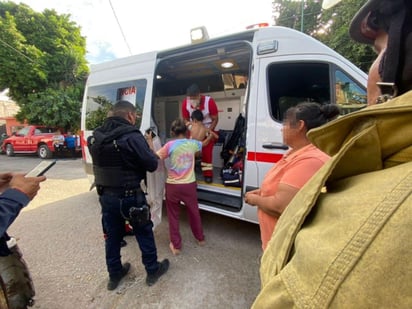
x=337, y=35
x=290, y=14
x=331, y=26
x=96, y=117
x=43, y=63
x=54, y=107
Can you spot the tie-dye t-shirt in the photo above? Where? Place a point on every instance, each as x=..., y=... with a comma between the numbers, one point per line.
x=182, y=159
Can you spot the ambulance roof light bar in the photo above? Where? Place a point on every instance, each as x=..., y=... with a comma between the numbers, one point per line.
x=258, y=25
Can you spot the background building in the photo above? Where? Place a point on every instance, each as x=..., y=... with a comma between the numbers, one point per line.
x=8, y=110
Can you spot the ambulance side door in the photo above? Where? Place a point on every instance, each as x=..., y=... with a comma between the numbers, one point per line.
x=129, y=79
x=283, y=82
x=264, y=142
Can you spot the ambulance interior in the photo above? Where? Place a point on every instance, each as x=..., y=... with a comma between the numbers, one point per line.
x=220, y=72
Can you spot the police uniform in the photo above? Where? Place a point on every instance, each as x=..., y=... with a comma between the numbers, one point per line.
x=121, y=158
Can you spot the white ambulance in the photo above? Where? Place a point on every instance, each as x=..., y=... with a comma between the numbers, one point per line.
x=258, y=74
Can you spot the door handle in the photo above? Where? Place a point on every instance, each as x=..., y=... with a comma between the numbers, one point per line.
x=275, y=145
x=250, y=188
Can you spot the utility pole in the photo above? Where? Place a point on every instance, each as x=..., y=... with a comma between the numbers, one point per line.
x=301, y=15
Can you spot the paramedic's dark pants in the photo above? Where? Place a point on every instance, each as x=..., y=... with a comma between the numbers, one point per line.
x=113, y=222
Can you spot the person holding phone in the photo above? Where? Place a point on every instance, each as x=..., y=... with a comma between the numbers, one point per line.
x=16, y=191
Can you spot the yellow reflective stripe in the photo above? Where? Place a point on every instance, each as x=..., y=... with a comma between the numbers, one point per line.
x=207, y=166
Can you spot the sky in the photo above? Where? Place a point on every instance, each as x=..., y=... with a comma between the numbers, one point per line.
x=154, y=24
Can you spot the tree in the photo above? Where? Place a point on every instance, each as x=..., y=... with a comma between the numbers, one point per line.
x=96, y=117
x=289, y=14
x=43, y=63
x=336, y=35
x=331, y=26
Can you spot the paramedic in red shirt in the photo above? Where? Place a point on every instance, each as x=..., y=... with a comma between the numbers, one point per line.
x=194, y=100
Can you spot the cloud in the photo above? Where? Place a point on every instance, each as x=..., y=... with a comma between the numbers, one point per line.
x=152, y=25
x=100, y=52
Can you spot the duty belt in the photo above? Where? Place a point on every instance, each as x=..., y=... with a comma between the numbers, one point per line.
x=118, y=191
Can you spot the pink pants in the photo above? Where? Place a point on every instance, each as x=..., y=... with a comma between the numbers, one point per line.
x=186, y=193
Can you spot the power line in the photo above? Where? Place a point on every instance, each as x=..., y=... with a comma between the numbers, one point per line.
x=120, y=27
x=297, y=16
x=16, y=50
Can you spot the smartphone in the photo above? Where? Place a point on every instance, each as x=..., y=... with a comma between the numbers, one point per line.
x=41, y=168
x=150, y=131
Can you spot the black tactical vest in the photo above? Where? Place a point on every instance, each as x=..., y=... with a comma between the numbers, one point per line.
x=110, y=169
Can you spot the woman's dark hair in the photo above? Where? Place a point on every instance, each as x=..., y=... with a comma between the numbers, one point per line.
x=313, y=114
x=178, y=127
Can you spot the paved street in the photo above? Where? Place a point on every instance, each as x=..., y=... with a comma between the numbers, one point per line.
x=61, y=239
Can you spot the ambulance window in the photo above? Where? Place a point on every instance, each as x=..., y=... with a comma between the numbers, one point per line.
x=349, y=95
x=292, y=83
x=100, y=100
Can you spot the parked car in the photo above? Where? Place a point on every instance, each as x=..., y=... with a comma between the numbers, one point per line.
x=43, y=140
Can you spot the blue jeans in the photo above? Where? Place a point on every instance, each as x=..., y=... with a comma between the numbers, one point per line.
x=113, y=209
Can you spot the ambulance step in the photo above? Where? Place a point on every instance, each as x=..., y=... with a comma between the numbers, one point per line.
x=227, y=202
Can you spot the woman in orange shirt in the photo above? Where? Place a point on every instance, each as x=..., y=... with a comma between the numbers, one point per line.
x=297, y=166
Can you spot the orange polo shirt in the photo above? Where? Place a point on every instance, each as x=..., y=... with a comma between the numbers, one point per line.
x=294, y=169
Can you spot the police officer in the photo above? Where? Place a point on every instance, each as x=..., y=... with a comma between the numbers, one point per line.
x=121, y=158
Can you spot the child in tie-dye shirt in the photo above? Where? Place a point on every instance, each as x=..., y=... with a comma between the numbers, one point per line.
x=181, y=184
